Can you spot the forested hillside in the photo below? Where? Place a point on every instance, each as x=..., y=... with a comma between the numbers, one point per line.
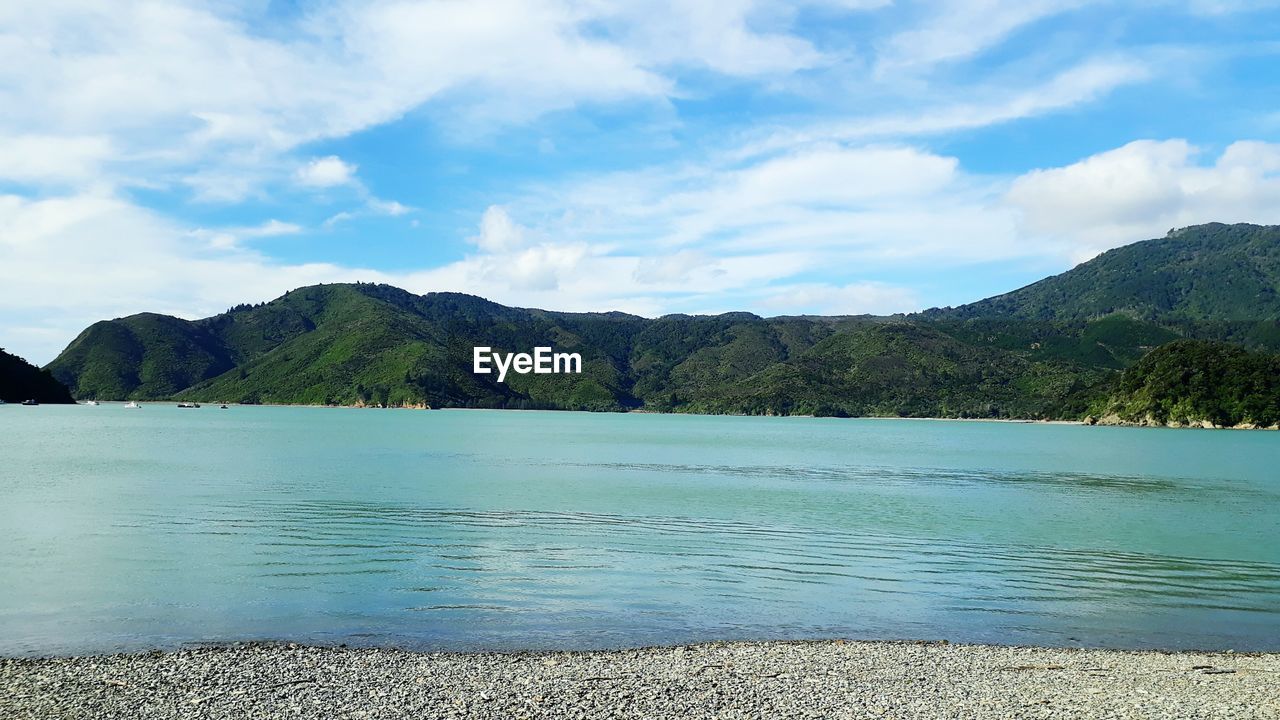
x=21, y=381
x=1194, y=382
x=1054, y=349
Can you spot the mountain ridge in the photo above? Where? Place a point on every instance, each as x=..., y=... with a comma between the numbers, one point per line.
x=1229, y=272
x=1027, y=353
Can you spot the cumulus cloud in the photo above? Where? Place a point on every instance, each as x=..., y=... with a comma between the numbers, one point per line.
x=331, y=172
x=542, y=267
x=1144, y=188
x=509, y=258
x=61, y=272
x=498, y=232
x=326, y=172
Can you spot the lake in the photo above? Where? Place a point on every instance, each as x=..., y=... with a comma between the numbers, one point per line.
x=137, y=529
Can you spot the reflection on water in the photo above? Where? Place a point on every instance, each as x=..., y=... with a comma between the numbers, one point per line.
x=421, y=532
x=914, y=475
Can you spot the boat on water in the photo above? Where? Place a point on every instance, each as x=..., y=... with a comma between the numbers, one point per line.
x=223, y=407
x=30, y=403
x=132, y=405
x=188, y=405
x=91, y=402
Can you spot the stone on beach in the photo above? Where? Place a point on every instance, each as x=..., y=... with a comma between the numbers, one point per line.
x=720, y=680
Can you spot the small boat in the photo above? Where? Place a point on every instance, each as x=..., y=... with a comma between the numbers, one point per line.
x=224, y=407
x=131, y=405
x=188, y=405
x=91, y=402
x=30, y=403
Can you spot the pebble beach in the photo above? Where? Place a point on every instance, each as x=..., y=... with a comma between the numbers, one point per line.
x=828, y=679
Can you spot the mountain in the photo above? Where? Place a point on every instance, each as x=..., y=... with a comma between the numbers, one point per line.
x=141, y=356
x=1053, y=349
x=20, y=381
x=1218, y=281
x=1194, y=382
x=378, y=345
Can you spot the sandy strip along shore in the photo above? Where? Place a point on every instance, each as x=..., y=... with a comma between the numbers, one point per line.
x=832, y=679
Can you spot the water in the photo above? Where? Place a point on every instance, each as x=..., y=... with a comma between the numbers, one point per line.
x=134, y=529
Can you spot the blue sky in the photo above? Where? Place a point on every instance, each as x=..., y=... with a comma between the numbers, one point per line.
x=813, y=156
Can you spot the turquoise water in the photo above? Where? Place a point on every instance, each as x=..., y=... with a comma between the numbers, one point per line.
x=132, y=529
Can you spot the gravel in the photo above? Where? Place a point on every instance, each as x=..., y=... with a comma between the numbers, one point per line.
x=830, y=679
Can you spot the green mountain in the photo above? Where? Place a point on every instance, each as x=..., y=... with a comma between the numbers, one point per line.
x=1194, y=382
x=907, y=369
x=1206, y=273
x=20, y=381
x=1051, y=350
x=141, y=356
x=379, y=345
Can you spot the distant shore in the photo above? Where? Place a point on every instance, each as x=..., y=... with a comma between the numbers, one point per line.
x=1109, y=421
x=720, y=680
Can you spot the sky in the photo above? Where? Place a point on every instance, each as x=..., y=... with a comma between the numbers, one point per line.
x=649, y=156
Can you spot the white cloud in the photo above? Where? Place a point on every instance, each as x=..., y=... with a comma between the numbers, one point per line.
x=44, y=159
x=326, y=172
x=863, y=298
x=272, y=228
x=674, y=267
x=216, y=95
x=959, y=29
x=1143, y=189
x=542, y=267
x=155, y=264
x=388, y=207
x=972, y=107
x=833, y=174
x=372, y=206
x=717, y=35
x=229, y=238
x=161, y=89
x=337, y=218
x=583, y=277
x=72, y=260
x=842, y=204
x=498, y=232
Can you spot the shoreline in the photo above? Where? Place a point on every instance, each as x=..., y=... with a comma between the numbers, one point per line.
x=826, y=678
x=1087, y=422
